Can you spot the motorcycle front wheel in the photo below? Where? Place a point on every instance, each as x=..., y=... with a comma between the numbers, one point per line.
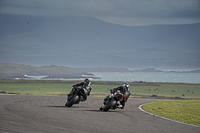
x=108, y=106
x=74, y=100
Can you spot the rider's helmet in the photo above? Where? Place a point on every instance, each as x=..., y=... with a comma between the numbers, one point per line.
x=87, y=80
x=126, y=85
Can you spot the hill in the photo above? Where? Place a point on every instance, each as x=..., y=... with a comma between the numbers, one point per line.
x=116, y=69
x=10, y=71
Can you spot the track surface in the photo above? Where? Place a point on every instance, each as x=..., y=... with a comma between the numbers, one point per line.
x=47, y=114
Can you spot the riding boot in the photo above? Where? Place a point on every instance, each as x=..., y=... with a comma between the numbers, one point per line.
x=85, y=97
x=123, y=104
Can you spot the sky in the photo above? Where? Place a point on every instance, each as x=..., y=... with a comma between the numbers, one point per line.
x=123, y=12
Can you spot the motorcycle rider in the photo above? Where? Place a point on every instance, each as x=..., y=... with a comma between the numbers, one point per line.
x=125, y=90
x=85, y=85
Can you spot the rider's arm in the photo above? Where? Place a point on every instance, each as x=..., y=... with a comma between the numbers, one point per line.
x=79, y=84
x=114, y=90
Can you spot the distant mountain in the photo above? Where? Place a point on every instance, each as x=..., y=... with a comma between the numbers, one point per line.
x=15, y=71
x=23, y=71
x=102, y=69
x=147, y=70
x=115, y=69
x=89, y=42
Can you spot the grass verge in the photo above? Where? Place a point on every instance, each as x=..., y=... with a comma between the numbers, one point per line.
x=186, y=111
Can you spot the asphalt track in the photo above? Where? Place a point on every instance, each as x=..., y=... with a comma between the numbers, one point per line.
x=47, y=114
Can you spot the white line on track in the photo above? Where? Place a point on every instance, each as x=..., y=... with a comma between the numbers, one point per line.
x=140, y=107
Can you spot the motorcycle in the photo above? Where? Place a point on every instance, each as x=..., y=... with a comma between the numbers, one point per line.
x=75, y=96
x=112, y=101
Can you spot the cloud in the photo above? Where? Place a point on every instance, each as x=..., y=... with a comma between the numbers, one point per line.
x=126, y=12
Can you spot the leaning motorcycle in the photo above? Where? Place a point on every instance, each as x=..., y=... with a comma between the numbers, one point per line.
x=112, y=101
x=75, y=97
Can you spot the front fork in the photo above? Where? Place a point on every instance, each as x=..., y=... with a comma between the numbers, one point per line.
x=104, y=102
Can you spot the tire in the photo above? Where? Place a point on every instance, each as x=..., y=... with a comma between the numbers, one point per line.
x=109, y=105
x=100, y=108
x=74, y=100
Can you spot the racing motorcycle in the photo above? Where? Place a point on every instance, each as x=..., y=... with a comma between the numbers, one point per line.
x=75, y=96
x=112, y=101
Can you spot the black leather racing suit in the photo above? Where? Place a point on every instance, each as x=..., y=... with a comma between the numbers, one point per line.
x=126, y=93
x=86, y=86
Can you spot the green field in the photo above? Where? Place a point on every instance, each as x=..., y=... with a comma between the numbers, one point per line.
x=100, y=88
x=175, y=90
x=34, y=87
x=181, y=110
